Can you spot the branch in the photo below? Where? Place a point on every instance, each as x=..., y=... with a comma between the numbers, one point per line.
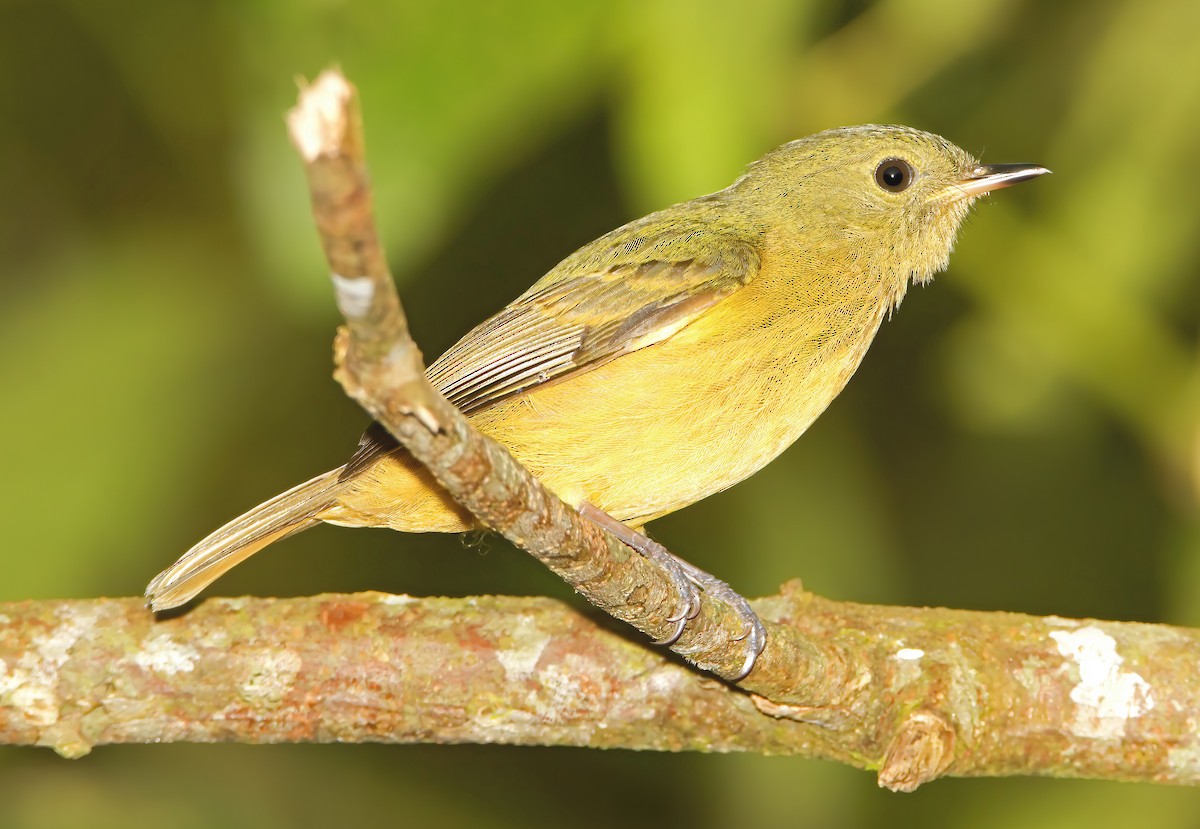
x=934, y=691
x=914, y=693
x=379, y=366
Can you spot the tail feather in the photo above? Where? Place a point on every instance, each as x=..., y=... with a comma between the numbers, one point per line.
x=285, y=514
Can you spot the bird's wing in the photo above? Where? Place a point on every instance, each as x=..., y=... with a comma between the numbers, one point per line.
x=570, y=323
x=627, y=290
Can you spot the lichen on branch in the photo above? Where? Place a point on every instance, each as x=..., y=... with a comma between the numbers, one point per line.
x=928, y=691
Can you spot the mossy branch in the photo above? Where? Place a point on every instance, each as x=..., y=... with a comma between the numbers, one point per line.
x=928, y=692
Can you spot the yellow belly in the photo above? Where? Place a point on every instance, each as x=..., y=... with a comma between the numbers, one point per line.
x=660, y=428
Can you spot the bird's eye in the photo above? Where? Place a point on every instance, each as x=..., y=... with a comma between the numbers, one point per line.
x=894, y=174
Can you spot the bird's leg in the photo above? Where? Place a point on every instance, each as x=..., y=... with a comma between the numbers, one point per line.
x=687, y=578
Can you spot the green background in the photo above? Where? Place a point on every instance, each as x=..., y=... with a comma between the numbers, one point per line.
x=1025, y=434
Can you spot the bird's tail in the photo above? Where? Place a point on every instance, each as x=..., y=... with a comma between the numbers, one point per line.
x=285, y=514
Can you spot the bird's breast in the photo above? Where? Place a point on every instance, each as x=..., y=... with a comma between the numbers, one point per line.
x=660, y=428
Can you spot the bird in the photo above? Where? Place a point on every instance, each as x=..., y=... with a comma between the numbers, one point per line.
x=670, y=358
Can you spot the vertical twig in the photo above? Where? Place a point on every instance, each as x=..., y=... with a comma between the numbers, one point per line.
x=381, y=368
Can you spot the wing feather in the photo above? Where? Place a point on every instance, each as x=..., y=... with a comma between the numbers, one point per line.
x=627, y=290
x=566, y=324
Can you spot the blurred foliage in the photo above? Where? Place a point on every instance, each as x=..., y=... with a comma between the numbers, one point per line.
x=1025, y=434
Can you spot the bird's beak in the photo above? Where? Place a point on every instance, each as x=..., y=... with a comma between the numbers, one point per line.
x=988, y=177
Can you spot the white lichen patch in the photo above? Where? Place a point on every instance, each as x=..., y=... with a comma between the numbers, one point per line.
x=397, y=599
x=1106, y=697
x=354, y=294
x=319, y=123
x=1184, y=761
x=163, y=655
x=37, y=703
x=562, y=694
x=55, y=647
x=271, y=676
x=13, y=687
x=657, y=687
x=215, y=638
x=666, y=681
x=908, y=668
x=526, y=644
x=30, y=686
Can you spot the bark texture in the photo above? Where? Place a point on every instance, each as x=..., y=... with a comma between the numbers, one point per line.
x=927, y=691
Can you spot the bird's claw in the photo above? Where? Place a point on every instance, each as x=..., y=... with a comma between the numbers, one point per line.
x=755, y=637
x=687, y=590
x=673, y=637
x=754, y=634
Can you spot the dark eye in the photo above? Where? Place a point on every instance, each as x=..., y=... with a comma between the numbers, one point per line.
x=894, y=174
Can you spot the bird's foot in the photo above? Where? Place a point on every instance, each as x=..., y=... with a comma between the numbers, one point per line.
x=686, y=588
x=754, y=635
x=688, y=580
